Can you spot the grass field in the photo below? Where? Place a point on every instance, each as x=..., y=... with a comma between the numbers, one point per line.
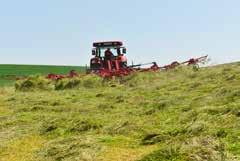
x=8, y=73
x=178, y=115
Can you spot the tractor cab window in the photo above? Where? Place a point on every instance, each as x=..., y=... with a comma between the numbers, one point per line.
x=113, y=51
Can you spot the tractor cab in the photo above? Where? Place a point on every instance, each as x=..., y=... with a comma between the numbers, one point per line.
x=108, y=55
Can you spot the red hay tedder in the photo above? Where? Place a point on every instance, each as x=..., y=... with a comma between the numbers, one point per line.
x=71, y=74
x=110, y=61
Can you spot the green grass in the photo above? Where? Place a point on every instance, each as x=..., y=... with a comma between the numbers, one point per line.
x=178, y=115
x=8, y=73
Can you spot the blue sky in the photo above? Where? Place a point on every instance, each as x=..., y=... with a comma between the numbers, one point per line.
x=62, y=31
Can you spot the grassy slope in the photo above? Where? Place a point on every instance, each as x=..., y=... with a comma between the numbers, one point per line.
x=9, y=72
x=175, y=115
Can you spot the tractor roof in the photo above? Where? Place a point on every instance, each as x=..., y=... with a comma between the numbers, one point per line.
x=107, y=44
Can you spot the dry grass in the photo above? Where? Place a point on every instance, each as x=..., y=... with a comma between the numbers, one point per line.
x=115, y=153
x=23, y=149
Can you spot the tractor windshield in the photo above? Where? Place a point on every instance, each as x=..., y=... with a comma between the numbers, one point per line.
x=112, y=50
x=102, y=51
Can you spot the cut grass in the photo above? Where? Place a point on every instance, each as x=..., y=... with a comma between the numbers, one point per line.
x=23, y=149
x=125, y=154
x=175, y=115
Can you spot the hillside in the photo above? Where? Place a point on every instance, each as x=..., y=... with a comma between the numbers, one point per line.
x=180, y=115
x=8, y=73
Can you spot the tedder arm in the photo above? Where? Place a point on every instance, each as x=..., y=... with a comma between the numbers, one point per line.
x=194, y=61
x=140, y=65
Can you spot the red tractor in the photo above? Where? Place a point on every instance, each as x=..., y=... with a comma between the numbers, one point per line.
x=109, y=59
